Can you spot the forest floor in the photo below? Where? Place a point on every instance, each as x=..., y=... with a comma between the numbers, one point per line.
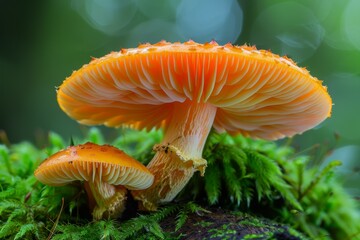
x=223, y=224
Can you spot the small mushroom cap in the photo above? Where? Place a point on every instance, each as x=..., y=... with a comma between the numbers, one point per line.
x=258, y=93
x=90, y=162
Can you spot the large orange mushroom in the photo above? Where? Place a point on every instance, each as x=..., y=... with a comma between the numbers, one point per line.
x=188, y=88
x=106, y=171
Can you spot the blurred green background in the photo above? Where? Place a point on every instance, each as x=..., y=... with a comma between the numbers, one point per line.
x=42, y=42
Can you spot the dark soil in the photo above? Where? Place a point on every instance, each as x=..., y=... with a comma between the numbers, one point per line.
x=223, y=224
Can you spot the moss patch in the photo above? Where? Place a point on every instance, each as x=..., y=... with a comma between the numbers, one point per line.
x=244, y=178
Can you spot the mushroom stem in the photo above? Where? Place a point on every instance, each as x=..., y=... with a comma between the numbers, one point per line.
x=179, y=155
x=109, y=199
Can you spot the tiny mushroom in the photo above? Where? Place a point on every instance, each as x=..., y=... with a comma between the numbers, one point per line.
x=188, y=88
x=107, y=173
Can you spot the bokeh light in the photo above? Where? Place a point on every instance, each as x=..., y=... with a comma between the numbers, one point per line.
x=159, y=9
x=352, y=22
x=349, y=171
x=334, y=24
x=206, y=20
x=290, y=29
x=108, y=16
x=152, y=31
x=346, y=112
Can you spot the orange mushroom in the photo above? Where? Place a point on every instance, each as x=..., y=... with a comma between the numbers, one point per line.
x=188, y=88
x=107, y=172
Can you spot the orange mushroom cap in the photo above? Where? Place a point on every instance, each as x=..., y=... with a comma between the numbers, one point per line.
x=90, y=162
x=257, y=93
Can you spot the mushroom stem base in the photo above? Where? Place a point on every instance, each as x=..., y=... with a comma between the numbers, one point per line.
x=105, y=200
x=179, y=171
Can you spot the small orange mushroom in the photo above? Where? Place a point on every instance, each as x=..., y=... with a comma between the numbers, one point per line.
x=107, y=172
x=188, y=88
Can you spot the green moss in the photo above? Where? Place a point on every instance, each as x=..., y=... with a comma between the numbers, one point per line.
x=254, y=236
x=224, y=232
x=254, y=223
x=252, y=176
x=204, y=224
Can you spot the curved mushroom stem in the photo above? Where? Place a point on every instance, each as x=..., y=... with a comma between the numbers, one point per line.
x=179, y=155
x=108, y=201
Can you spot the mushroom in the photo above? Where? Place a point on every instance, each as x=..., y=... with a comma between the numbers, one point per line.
x=107, y=173
x=188, y=88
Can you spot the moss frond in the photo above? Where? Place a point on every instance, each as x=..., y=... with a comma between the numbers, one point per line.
x=184, y=212
x=30, y=228
x=212, y=185
x=146, y=224
x=75, y=232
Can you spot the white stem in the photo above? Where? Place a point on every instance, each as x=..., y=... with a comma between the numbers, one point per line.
x=179, y=155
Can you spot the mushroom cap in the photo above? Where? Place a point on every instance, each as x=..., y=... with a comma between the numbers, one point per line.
x=258, y=93
x=90, y=162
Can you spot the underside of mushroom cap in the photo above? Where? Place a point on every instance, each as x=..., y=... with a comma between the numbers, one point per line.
x=92, y=162
x=257, y=93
